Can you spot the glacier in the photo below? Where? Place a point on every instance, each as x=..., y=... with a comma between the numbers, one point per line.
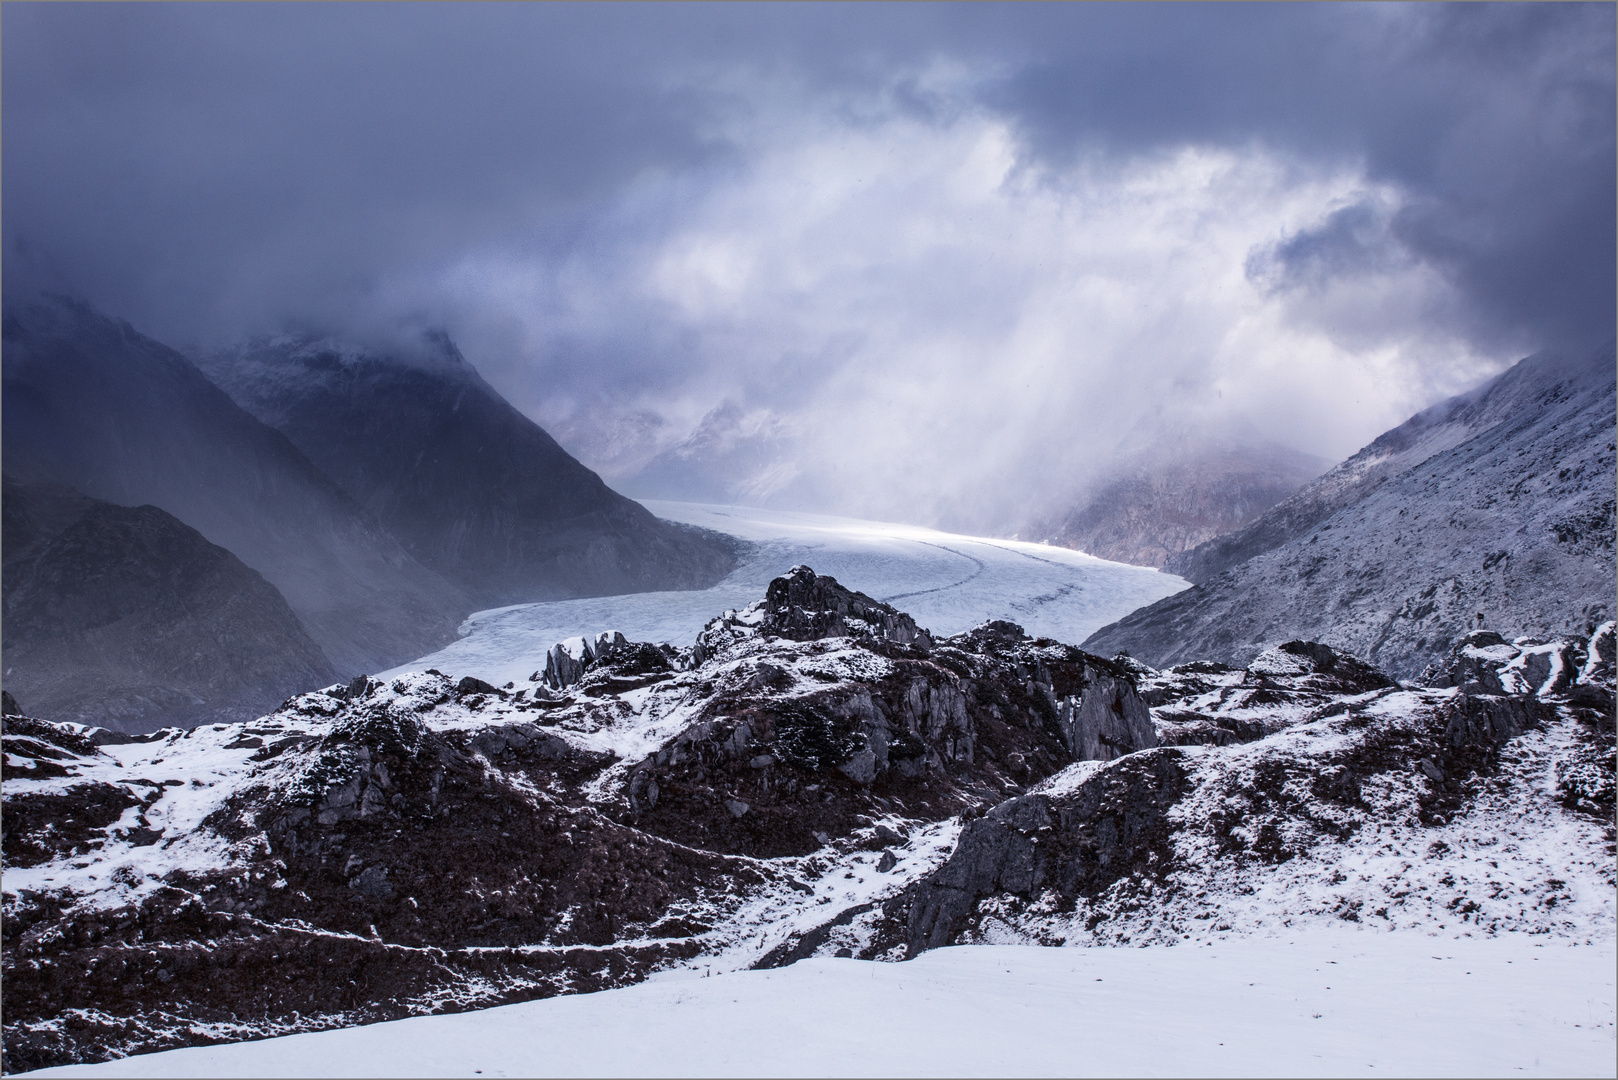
x=947, y=581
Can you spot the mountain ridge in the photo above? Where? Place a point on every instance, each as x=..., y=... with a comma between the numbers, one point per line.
x=471, y=487
x=1505, y=518
x=126, y=618
x=1161, y=499
x=92, y=403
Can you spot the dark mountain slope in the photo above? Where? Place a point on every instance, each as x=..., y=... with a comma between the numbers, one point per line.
x=469, y=485
x=126, y=618
x=91, y=403
x=1509, y=525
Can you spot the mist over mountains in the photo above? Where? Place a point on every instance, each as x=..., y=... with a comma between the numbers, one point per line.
x=91, y=403
x=1165, y=493
x=448, y=500
x=471, y=488
x=119, y=617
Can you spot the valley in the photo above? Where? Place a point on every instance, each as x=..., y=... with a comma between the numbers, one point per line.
x=949, y=582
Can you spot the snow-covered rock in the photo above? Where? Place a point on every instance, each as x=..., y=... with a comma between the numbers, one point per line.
x=424, y=843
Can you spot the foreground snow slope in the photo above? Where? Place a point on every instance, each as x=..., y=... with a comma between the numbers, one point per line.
x=948, y=582
x=1352, y=1003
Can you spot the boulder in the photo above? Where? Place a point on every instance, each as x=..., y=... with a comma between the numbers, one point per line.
x=470, y=685
x=1076, y=843
x=565, y=663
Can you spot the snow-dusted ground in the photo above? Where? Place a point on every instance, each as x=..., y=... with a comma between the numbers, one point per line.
x=948, y=582
x=1350, y=1003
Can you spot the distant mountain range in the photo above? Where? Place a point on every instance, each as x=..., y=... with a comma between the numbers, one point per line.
x=91, y=403
x=735, y=455
x=380, y=549
x=472, y=488
x=1494, y=508
x=1163, y=496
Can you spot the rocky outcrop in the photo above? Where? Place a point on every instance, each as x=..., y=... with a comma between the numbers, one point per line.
x=803, y=606
x=1146, y=847
x=387, y=869
x=1110, y=828
x=383, y=848
x=1106, y=721
x=474, y=844
x=1483, y=662
x=802, y=728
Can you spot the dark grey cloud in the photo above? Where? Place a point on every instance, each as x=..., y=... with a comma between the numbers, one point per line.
x=628, y=210
x=1352, y=241
x=221, y=152
x=1496, y=119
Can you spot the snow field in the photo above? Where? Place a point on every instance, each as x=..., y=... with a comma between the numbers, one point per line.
x=1333, y=1004
x=948, y=582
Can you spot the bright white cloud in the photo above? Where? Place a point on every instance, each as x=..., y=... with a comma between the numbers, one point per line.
x=960, y=338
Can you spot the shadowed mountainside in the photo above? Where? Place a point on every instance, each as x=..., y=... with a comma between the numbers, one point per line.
x=91, y=403
x=126, y=618
x=470, y=486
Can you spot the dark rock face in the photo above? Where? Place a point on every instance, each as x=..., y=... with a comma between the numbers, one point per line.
x=1495, y=508
x=946, y=727
x=1106, y=721
x=123, y=617
x=91, y=403
x=804, y=606
x=1111, y=827
x=470, y=486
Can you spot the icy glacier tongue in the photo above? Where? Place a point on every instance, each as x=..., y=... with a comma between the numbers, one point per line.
x=947, y=582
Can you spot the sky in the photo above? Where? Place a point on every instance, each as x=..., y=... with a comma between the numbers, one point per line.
x=932, y=262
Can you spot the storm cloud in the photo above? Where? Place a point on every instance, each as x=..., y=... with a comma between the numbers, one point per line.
x=954, y=253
